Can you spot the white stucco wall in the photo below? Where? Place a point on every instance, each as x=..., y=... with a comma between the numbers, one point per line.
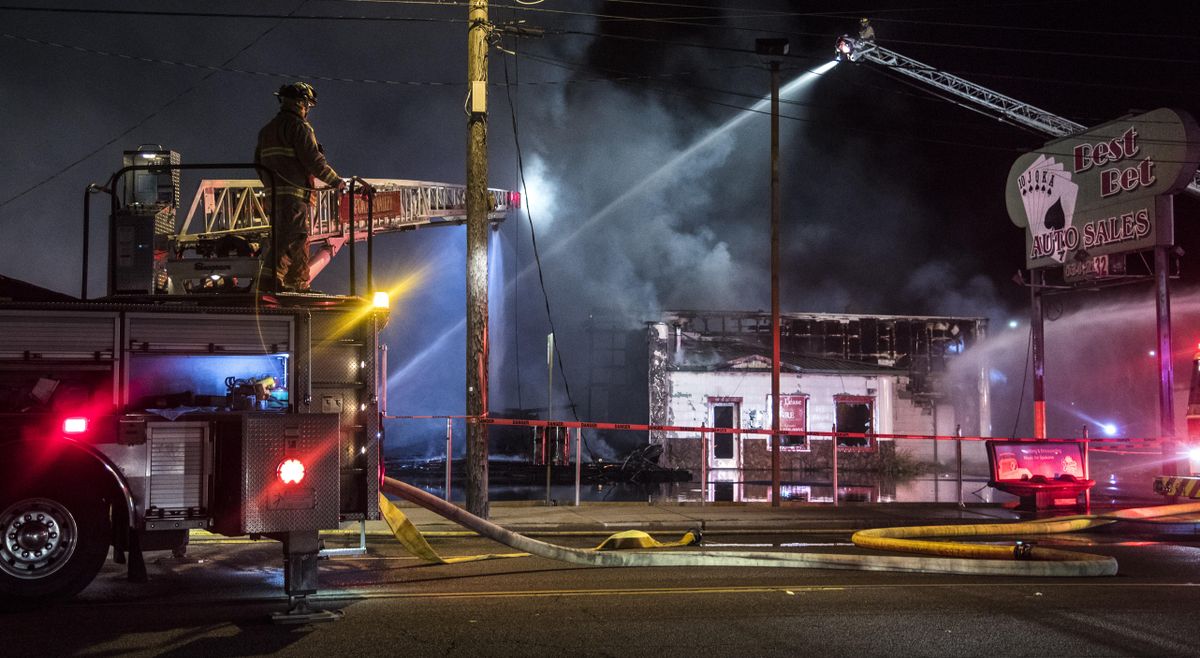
x=690, y=392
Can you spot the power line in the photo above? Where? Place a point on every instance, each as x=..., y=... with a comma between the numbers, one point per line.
x=226, y=69
x=571, y=32
x=843, y=125
x=251, y=16
x=612, y=77
x=1043, y=30
x=619, y=77
x=329, y=78
x=432, y=83
x=512, y=105
x=171, y=101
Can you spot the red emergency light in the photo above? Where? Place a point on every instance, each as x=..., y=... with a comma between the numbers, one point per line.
x=75, y=425
x=291, y=471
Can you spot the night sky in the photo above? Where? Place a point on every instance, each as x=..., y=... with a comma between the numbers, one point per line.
x=892, y=199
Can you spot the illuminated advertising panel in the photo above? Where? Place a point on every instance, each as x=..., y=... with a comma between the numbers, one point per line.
x=1102, y=191
x=1014, y=462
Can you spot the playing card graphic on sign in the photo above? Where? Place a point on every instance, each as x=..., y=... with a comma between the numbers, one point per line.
x=1102, y=191
x=1048, y=196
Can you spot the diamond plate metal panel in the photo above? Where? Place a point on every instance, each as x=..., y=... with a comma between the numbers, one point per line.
x=343, y=380
x=269, y=505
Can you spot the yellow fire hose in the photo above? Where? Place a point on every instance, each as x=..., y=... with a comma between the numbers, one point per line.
x=935, y=557
x=906, y=539
x=411, y=538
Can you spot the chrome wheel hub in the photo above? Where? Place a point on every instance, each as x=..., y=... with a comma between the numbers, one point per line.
x=39, y=537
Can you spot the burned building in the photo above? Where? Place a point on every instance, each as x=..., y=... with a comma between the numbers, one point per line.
x=866, y=374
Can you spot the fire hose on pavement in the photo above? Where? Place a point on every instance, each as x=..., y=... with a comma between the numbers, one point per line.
x=935, y=557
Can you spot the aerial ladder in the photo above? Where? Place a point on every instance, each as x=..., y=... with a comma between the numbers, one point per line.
x=992, y=103
x=221, y=237
x=966, y=93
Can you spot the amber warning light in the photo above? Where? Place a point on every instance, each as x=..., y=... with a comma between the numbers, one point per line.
x=291, y=471
x=75, y=425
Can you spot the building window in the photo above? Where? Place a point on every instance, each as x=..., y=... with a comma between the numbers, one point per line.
x=856, y=415
x=793, y=416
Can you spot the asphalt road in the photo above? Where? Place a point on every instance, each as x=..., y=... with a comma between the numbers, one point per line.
x=216, y=602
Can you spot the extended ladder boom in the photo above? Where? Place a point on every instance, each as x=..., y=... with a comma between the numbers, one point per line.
x=238, y=207
x=1047, y=123
x=226, y=216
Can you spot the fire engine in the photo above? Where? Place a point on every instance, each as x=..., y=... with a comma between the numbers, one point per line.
x=1187, y=486
x=183, y=398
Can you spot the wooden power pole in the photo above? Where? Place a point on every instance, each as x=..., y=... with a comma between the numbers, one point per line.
x=477, y=260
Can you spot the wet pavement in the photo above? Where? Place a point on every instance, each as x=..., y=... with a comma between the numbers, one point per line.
x=216, y=600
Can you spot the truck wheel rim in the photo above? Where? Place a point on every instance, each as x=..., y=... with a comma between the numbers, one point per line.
x=39, y=538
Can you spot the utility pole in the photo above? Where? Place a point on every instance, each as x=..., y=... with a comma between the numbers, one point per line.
x=477, y=260
x=1037, y=339
x=1166, y=373
x=774, y=48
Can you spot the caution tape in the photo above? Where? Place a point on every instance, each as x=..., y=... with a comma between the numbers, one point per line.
x=414, y=541
x=1096, y=443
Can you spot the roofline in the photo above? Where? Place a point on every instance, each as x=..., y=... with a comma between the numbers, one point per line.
x=882, y=371
x=665, y=315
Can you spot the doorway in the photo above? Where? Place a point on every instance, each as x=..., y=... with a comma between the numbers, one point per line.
x=725, y=447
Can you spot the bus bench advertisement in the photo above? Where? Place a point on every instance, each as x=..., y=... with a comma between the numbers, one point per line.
x=1017, y=462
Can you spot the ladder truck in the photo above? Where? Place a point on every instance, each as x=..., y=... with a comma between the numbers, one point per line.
x=183, y=398
x=986, y=101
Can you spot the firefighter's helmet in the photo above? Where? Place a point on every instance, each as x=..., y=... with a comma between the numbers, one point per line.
x=301, y=91
x=863, y=21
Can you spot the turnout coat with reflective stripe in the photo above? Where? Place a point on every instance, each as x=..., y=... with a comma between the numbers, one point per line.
x=288, y=146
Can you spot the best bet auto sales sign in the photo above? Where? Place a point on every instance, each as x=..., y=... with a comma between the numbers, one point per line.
x=1100, y=191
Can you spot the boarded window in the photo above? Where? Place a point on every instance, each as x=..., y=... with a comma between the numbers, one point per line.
x=793, y=417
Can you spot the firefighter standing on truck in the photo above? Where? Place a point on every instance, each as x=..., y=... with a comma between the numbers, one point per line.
x=288, y=147
x=865, y=31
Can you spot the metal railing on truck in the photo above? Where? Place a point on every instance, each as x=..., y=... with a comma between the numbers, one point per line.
x=355, y=185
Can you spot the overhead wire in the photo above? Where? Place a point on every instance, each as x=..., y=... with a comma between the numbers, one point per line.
x=512, y=105
x=331, y=78
x=906, y=136
x=835, y=15
x=171, y=101
x=612, y=77
x=575, y=32
x=292, y=15
x=618, y=77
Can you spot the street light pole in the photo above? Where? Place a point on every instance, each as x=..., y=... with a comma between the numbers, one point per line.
x=774, y=48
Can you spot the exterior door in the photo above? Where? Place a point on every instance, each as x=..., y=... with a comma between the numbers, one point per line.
x=725, y=448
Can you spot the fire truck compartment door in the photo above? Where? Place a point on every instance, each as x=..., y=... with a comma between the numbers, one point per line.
x=277, y=498
x=57, y=335
x=208, y=334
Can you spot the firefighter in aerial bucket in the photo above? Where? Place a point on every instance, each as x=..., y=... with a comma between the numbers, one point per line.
x=865, y=31
x=288, y=147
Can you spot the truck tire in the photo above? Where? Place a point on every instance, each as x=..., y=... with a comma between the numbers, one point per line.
x=53, y=544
